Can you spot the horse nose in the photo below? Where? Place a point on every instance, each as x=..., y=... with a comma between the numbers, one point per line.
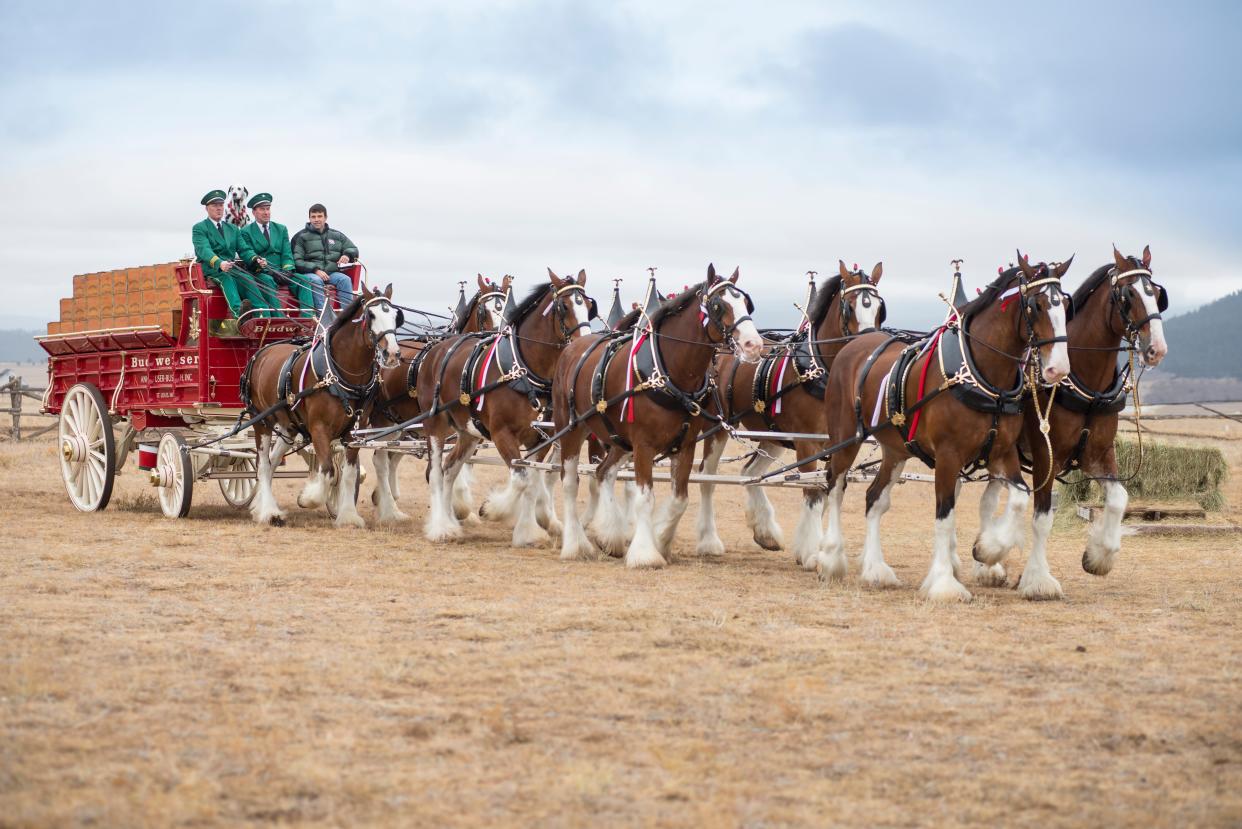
x=1053, y=374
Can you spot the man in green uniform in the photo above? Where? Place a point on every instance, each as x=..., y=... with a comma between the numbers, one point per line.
x=216, y=244
x=268, y=242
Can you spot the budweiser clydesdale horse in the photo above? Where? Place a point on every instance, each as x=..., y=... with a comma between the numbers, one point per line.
x=493, y=387
x=396, y=399
x=320, y=389
x=899, y=395
x=1118, y=301
x=784, y=392
x=641, y=392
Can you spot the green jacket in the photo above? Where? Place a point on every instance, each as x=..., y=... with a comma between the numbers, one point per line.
x=211, y=247
x=277, y=252
x=315, y=251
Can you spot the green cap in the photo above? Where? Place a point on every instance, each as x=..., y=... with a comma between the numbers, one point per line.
x=259, y=199
x=213, y=196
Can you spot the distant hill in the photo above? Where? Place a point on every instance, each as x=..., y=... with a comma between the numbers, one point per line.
x=1206, y=342
x=19, y=346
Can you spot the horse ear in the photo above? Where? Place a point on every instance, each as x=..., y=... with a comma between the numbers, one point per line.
x=388, y=291
x=1146, y=256
x=506, y=282
x=555, y=280
x=711, y=273
x=845, y=272
x=1064, y=266
x=877, y=272
x=736, y=273
x=482, y=283
x=582, y=277
x=1024, y=265
x=1122, y=264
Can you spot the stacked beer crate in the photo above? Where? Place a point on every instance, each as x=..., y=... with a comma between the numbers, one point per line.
x=126, y=298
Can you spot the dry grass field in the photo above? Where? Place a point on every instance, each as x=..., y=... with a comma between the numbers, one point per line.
x=205, y=672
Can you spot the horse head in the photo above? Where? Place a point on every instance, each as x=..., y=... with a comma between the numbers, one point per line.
x=862, y=307
x=1044, y=307
x=382, y=320
x=728, y=309
x=570, y=305
x=1140, y=301
x=489, y=303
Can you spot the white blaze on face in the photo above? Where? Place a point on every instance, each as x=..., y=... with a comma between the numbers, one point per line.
x=866, y=315
x=383, y=324
x=1056, y=356
x=1153, y=345
x=578, y=313
x=494, y=308
x=748, y=344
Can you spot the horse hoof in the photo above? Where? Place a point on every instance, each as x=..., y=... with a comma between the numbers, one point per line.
x=711, y=547
x=1041, y=589
x=277, y=521
x=768, y=543
x=990, y=576
x=881, y=576
x=947, y=591
x=1097, y=565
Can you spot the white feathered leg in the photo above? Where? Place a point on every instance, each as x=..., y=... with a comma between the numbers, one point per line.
x=574, y=541
x=830, y=560
x=760, y=516
x=1104, y=536
x=526, y=530
x=709, y=543
x=611, y=529
x=264, y=509
x=441, y=524
x=643, y=551
x=875, y=570
x=386, y=509
x=941, y=584
x=1037, y=581
x=346, y=510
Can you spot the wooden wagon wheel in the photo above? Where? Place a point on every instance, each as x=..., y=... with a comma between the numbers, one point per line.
x=173, y=475
x=87, y=448
x=239, y=492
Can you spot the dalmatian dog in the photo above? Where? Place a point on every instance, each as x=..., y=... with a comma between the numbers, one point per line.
x=235, y=205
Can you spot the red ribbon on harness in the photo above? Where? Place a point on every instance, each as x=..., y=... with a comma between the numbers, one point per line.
x=914, y=420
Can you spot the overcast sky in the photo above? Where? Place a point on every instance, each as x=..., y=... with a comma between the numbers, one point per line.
x=504, y=137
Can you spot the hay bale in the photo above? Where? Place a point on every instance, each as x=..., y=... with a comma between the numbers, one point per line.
x=1169, y=473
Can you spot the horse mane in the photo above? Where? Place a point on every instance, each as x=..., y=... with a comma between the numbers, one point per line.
x=531, y=301
x=824, y=295
x=989, y=294
x=676, y=304
x=459, y=325
x=1084, y=291
x=629, y=320
x=346, y=314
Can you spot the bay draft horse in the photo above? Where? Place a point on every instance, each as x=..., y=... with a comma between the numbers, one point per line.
x=784, y=392
x=1118, y=301
x=396, y=400
x=494, y=388
x=325, y=388
x=979, y=357
x=641, y=393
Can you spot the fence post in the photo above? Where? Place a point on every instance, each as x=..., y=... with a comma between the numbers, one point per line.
x=15, y=395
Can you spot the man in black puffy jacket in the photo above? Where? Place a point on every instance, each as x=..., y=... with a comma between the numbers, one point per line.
x=319, y=253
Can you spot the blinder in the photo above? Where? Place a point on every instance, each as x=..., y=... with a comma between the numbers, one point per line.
x=400, y=318
x=593, y=308
x=1162, y=297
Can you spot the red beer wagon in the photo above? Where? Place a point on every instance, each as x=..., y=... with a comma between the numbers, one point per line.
x=156, y=353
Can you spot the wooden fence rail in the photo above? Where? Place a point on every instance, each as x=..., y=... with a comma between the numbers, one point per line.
x=19, y=392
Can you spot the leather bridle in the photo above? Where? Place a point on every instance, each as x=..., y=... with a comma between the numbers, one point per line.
x=1121, y=298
